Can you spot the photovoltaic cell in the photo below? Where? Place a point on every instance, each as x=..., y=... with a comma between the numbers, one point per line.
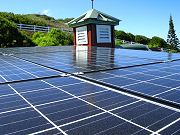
x=172, y=95
x=147, y=115
x=173, y=129
x=11, y=102
x=22, y=122
x=103, y=124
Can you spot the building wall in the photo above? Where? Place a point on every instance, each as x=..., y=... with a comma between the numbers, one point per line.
x=92, y=37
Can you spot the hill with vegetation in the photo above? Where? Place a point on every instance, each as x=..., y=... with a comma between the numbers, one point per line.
x=36, y=19
x=138, y=41
x=10, y=36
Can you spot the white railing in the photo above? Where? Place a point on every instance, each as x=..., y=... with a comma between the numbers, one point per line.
x=36, y=28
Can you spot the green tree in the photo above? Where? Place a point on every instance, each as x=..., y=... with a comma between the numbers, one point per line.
x=172, y=39
x=10, y=36
x=53, y=38
x=66, y=20
x=131, y=36
x=122, y=35
x=142, y=39
x=157, y=43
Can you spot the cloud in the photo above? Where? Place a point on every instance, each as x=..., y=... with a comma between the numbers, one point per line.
x=45, y=12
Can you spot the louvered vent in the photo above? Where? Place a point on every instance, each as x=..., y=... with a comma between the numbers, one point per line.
x=103, y=34
x=81, y=35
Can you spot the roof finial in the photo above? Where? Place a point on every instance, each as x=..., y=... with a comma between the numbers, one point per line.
x=92, y=4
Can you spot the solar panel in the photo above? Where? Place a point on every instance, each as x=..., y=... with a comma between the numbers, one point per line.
x=14, y=69
x=86, y=61
x=115, y=93
x=71, y=108
x=160, y=80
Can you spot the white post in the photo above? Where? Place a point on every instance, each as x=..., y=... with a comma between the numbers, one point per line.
x=20, y=26
x=34, y=28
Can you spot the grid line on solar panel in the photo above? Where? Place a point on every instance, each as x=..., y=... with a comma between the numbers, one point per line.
x=85, y=118
x=53, y=65
x=142, y=69
x=135, y=76
x=16, y=69
x=55, y=101
x=38, y=111
x=136, y=95
x=81, y=68
x=143, y=73
x=30, y=50
x=170, y=87
x=156, y=124
x=96, y=115
x=68, y=98
x=172, y=95
x=17, y=121
x=49, y=131
x=119, y=52
x=8, y=104
x=165, y=127
x=104, y=110
x=97, y=65
x=99, y=120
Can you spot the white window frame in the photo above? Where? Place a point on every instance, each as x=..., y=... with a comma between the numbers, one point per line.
x=81, y=35
x=103, y=33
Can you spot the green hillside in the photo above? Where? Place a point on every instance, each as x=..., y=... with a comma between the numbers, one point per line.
x=10, y=36
x=36, y=19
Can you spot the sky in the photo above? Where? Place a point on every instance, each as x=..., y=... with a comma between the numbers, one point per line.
x=140, y=17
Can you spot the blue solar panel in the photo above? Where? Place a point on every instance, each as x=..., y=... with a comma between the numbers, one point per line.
x=74, y=108
x=118, y=92
x=86, y=61
x=14, y=69
x=22, y=122
x=159, y=80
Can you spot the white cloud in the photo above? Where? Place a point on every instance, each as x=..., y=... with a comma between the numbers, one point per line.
x=46, y=12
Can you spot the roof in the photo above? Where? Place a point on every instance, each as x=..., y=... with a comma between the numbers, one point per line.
x=93, y=16
x=88, y=91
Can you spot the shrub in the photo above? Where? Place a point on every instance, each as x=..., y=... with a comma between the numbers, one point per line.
x=10, y=36
x=53, y=38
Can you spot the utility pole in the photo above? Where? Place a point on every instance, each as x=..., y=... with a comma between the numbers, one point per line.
x=92, y=4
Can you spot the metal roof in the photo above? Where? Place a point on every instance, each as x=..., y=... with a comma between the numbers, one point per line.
x=93, y=16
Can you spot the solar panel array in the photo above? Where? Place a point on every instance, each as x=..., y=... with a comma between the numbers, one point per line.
x=94, y=91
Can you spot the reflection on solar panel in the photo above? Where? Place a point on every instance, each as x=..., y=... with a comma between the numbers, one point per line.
x=98, y=91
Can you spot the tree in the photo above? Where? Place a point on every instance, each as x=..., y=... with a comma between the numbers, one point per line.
x=53, y=38
x=157, y=43
x=131, y=36
x=66, y=20
x=142, y=39
x=122, y=35
x=10, y=36
x=172, y=39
